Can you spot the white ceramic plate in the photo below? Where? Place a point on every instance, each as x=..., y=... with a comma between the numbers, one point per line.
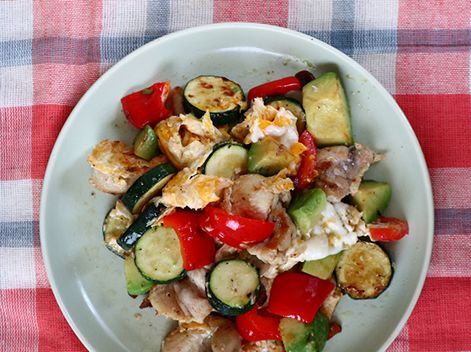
x=88, y=280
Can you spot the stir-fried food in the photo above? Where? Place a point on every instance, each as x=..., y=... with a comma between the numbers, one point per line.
x=246, y=220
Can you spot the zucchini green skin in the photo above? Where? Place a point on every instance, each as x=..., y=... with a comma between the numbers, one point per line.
x=136, y=284
x=300, y=337
x=359, y=275
x=129, y=238
x=224, y=308
x=291, y=105
x=372, y=198
x=219, y=118
x=322, y=268
x=218, y=165
x=327, y=111
x=305, y=209
x=147, y=186
x=268, y=156
x=284, y=100
x=153, y=253
x=180, y=276
x=113, y=228
x=146, y=145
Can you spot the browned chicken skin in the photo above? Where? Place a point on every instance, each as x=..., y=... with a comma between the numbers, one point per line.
x=215, y=334
x=272, y=251
x=183, y=300
x=341, y=169
x=254, y=196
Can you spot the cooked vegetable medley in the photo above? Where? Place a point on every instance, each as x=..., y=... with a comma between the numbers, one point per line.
x=246, y=220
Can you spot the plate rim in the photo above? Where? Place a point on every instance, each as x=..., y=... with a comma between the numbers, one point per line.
x=250, y=26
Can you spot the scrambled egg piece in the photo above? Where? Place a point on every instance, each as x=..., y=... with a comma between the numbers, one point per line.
x=279, y=183
x=195, y=191
x=338, y=228
x=265, y=120
x=186, y=139
x=115, y=167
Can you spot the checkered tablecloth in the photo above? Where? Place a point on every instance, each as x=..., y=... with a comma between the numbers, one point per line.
x=52, y=51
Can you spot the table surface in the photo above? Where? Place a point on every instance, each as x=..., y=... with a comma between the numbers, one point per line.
x=52, y=51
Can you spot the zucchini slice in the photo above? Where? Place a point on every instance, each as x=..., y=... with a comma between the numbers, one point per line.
x=136, y=284
x=223, y=98
x=291, y=105
x=372, y=198
x=327, y=111
x=147, y=186
x=322, y=268
x=233, y=286
x=300, y=337
x=115, y=224
x=306, y=208
x=146, y=145
x=158, y=255
x=364, y=271
x=226, y=160
x=145, y=220
x=267, y=157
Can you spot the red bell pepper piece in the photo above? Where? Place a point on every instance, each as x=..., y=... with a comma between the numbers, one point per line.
x=234, y=230
x=388, y=229
x=307, y=169
x=147, y=106
x=197, y=247
x=258, y=325
x=279, y=87
x=304, y=77
x=298, y=295
x=334, y=329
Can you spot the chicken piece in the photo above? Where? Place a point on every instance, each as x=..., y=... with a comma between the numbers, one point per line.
x=254, y=196
x=226, y=252
x=328, y=306
x=192, y=190
x=225, y=337
x=115, y=167
x=341, y=169
x=215, y=334
x=274, y=250
x=188, y=338
x=198, y=278
x=183, y=300
x=263, y=346
x=187, y=140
